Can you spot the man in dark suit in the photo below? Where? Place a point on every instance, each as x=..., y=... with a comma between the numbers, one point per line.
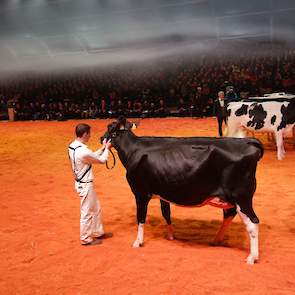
x=220, y=105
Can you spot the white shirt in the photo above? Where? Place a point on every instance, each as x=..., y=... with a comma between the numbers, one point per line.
x=221, y=102
x=82, y=157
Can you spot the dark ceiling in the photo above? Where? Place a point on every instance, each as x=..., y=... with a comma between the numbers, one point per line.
x=64, y=32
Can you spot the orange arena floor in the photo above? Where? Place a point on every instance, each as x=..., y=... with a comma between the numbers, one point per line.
x=39, y=238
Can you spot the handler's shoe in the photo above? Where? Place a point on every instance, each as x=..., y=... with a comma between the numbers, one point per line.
x=106, y=235
x=92, y=243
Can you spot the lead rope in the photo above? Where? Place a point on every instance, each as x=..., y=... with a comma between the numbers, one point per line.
x=114, y=161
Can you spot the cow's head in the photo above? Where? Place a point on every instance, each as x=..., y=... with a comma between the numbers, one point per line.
x=116, y=128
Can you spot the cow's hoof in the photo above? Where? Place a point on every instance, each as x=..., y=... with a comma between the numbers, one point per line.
x=281, y=157
x=170, y=233
x=216, y=243
x=170, y=237
x=137, y=244
x=251, y=259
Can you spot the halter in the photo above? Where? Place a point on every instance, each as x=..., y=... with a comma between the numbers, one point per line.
x=114, y=161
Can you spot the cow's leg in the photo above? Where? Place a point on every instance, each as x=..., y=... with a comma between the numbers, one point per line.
x=165, y=208
x=141, y=205
x=228, y=216
x=280, y=145
x=252, y=229
x=270, y=136
x=230, y=129
x=235, y=131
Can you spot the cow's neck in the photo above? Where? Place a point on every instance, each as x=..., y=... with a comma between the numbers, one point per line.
x=125, y=146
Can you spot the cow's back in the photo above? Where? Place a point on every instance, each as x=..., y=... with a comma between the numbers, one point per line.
x=254, y=116
x=193, y=167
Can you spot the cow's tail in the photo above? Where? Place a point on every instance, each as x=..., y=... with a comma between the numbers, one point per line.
x=258, y=144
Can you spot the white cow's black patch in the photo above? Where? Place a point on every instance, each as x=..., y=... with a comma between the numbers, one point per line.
x=283, y=123
x=290, y=113
x=273, y=119
x=258, y=115
x=242, y=110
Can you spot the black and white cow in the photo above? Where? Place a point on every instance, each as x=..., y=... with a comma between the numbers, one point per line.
x=190, y=171
x=267, y=116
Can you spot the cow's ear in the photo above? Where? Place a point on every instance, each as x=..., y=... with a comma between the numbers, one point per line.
x=134, y=126
x=121, y=122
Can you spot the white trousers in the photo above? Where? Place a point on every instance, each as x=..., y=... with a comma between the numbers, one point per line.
x=90, y=214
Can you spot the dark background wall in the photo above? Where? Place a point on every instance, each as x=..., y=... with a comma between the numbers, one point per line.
x=61, y=33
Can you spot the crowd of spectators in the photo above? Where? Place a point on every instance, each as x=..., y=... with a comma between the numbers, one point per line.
x=175, y=86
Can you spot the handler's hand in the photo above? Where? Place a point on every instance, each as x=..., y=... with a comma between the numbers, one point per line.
x=106, y=144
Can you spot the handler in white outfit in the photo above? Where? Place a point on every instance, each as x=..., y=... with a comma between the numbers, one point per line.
x=91, y=228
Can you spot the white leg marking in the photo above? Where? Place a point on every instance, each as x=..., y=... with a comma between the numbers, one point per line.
x=140, y=233
x=280, y=146
x=252, y=229
x=170, y=233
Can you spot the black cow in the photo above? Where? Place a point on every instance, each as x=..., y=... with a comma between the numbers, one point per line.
x=192, y=171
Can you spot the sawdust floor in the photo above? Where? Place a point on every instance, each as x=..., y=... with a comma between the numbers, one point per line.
x=39, y=212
